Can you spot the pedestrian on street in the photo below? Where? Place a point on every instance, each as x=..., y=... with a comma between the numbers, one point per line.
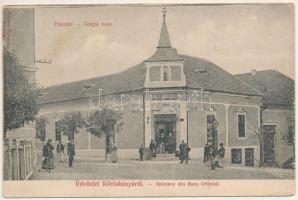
x=212, y=156
x=71, y=152
x=152, y=148
x=186, y=152
x=221, y=154
x=48, y=158
x=182, y=151
x=60, y=151
x=114, y=153
x=206, y=152
x=141, y=152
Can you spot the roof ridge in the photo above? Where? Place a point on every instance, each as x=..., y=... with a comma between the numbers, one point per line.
x=266, y=70
x=226, y=72
x=261, y=93
x=95, y=77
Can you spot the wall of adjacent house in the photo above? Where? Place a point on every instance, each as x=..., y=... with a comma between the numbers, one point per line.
x=282, y=119
x=226, y=109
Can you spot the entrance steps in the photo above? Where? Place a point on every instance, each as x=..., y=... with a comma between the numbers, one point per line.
x=166, y=156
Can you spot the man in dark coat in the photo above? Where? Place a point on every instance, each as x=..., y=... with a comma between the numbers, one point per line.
x=152, y=147
x=221, y=154
x=182, y=151
x=70, y=152
x=212, y=156
x=60, y=151
x=206, y=152
x=141, y=152
x=186, y=153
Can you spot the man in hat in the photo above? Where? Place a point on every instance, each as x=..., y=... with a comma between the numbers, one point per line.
x=60, y=151
x=71, y=152
x=221, y=154
x=206, y=152
x=141, y=152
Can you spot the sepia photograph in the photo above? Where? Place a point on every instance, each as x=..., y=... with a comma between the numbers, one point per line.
x=111, y=95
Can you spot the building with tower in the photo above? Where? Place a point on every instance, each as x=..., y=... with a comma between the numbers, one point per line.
x=168, y=97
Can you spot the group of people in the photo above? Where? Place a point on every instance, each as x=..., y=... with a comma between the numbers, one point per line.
x=164, y=143
x=183, y=148
x=153, y=148
x=48, y=156
x=211, y=153
x=214, y=155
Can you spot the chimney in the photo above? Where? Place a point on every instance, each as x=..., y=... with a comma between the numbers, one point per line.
x=253, y=72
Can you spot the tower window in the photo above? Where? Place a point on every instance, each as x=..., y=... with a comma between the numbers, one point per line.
x=154, y=73
x=175, y=73
x=165, y=73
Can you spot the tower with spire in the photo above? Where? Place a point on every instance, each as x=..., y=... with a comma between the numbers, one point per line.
x=165, y=66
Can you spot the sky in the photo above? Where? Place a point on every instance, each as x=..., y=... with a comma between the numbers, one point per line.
x=238, y=38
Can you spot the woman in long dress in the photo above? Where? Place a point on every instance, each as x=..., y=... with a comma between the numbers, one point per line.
x=48, y=158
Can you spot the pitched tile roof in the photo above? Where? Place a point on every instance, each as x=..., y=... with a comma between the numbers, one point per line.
x=129, y=80
x=199, y=73
x=278, y=89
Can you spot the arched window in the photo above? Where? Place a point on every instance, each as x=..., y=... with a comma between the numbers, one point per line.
x=165, y=73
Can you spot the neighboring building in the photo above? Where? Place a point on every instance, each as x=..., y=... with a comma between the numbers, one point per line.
x=18, y=37
x=162, y=96
x=278, y=113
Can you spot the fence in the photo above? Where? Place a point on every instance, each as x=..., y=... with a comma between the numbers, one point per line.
x=20, y=159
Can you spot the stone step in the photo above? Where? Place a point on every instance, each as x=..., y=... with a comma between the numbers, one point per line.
x=165, y=157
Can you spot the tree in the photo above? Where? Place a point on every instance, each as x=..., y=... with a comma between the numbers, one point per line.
x=20, y=96
x=105, y=122
x=40, y=127
x=70, y=123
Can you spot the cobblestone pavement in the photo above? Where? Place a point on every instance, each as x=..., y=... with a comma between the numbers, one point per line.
x=155, y=169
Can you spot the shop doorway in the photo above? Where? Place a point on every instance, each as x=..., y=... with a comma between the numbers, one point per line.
x=165, y=133
x=269, y=145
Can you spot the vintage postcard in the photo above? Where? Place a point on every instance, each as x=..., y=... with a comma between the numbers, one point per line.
x=148, y=100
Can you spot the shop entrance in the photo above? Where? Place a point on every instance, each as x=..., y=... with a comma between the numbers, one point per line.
x=165, y=133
